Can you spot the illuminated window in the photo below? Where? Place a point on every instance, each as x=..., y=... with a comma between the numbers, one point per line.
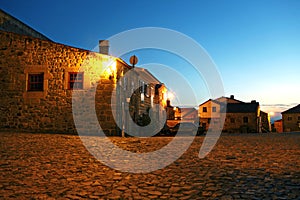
x=36, y=82
x=245, y=120
x=204, y=109
x=75, y=80
x=214, y=109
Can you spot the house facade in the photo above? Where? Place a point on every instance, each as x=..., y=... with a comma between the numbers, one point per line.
x=239, y=116
x=44, y=83
x=291, y=119
x=242, y=118
x=278, y=126
x=210, y=114
x=40, y=77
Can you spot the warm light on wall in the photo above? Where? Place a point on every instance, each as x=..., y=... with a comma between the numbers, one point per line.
x=111, y=68
x=170, y=95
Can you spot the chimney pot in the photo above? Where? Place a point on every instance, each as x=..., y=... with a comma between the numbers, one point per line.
x=104, y=47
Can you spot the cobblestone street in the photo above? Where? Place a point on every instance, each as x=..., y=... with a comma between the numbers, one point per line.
x=45, y=166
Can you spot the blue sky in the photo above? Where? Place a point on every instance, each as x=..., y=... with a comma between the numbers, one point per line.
x=254, y=44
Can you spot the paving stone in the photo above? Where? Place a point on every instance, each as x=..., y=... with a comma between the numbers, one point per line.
x=45, y=166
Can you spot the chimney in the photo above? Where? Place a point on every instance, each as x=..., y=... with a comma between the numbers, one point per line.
x=104, y=47
x=253, y=101
x=168, y=103
x=231, y=96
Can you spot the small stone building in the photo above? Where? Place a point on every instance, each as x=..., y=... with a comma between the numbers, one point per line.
x=291, y=119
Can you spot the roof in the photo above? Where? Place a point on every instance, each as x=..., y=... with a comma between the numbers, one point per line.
x=295, y=109
x=146, y=76
x=9, y=23
x=187, y=112
x=217, y=102
x=241, y=108
x=230, y=99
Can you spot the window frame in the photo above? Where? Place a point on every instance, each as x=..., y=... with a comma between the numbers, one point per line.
x=75, y=81
x=214, y=109
x=30, y=83
x=204, y=109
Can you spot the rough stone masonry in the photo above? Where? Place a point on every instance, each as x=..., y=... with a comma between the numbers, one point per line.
x=50, y=110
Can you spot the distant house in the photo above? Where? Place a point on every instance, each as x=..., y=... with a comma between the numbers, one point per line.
x=242, y=117
x=291, y=119
x=278, y=126
x=239, y=116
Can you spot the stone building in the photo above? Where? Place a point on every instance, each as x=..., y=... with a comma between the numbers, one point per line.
x=242, y=117
x=45, y=84
x=39, y=78
x=239, y=116
x=291, y=119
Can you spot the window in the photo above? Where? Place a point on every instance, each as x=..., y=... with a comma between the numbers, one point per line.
x=214, y=109
x=245, y=119
x=204, y=109
x=232, y=120
x=290, y=118
x=298, y=117
x=36, y=82
x=147, y=90
x=141, y=86
x=75, y=80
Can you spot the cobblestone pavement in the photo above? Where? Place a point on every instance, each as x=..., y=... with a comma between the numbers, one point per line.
x=45, y=166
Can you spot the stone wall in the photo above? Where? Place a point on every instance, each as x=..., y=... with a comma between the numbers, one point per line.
x=234, y=122
x=50, y=110
x=291, y=122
